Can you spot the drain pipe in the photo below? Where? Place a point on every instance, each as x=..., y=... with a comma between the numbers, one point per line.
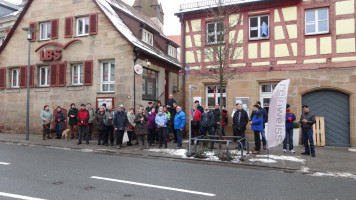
x=137, y=52
x=183, y=60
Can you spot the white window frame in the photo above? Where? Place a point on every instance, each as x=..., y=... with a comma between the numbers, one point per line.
x=211, y=95
x=109, y=82
x=259, y=37
x=83, y=19
x=47, y=76
x=172, y=51
x=80, y=69
x=46, y=26
x=145, y=84
x=2, y=39
x=17, y=85
x=266, y=95
x=147, y=37
x=215, y=33
x=316, y=22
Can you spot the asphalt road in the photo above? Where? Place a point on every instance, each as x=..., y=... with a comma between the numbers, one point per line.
x=39, y=172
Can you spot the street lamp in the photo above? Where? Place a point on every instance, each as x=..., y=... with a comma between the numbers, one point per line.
x=29, y=38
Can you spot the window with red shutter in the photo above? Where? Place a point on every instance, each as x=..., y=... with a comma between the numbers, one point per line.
x=93, y=23
x=61, y=74
x=53, y=75
x=68, y=27
x=23, y=76
x=33, y=25
x=88, y=72
x=2, y=77
x=54, y=28
x=32, y=76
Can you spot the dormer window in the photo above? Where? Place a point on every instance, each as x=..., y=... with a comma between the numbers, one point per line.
x=147, y=37
x=172, y=51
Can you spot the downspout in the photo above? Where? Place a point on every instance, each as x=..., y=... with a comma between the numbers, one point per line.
x=137, y=52
x=183, y=60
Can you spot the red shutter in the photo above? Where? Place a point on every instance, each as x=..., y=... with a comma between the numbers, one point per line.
x=61, y=74
x=88, y=72
x=23, y=76
x=68, y=27
x=33, y=25
x=54, y=28
x=93, y=23
x=53, y=75
x=2, y=77
x=32, y=76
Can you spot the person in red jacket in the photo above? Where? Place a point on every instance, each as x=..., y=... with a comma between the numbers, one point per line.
x=196, y=114
x=83, y=118
x=224, y=122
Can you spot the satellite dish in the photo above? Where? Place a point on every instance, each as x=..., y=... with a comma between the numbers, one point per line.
x=138, y=69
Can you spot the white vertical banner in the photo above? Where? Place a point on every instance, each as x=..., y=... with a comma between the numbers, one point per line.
x=277, y=114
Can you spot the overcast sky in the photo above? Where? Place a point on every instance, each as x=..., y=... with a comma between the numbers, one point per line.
x=172, y=25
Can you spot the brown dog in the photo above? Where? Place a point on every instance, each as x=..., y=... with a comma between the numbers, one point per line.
x=66, y=134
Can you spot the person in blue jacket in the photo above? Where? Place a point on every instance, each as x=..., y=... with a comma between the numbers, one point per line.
x=257, y=127
x=161, y=122
x=179, y=124
x=290, y=118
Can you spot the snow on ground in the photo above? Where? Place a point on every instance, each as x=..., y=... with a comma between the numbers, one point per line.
x=173, y=152
x=304, y=169
x=275, y=158
x=352, y=149
x=264, y=160
x=335, y=174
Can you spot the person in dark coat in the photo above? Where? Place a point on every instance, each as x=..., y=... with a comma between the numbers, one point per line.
x=307, y=120
x=151, y=124
x=120, y=123
x=216, y=113
x=73, y=123
x=257, y=127
x=159, y=104
x=83, y=124
x=173, y=112
x=206, y=122
x=199, y=107
x=290, y=118
x=99, y=120
x=59, y=119
x=150, y=106
x=239, y=122
x=170, y=102
x=141, y=128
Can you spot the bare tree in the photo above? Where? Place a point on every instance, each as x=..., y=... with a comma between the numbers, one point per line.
x=221, y=45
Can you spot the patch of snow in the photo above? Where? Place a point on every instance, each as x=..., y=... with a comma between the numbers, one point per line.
x=352, y=149
x=60, y=148
x=173, y=152
x=335, y=174
x=264, y=160
x=304, y=169
x=287, y=158
x=86, y=150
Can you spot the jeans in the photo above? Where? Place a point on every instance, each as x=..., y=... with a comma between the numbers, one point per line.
x=216, y=129
x=203, y=130
x=257, y=140
x=308, y=135
x=238, y=132
x=83, y=132
x=179, y=137
x=223, y=131
x=58, y=131
x=162, y=134
x=263, y=138
x=289, y=133
x=195, y=131
x=109, y=133
x=119, y=136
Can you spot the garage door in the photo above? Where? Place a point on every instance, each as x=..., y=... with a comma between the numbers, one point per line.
x=334, y=106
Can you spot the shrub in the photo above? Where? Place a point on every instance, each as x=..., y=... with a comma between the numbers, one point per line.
x=221, y=154
x=201, y=152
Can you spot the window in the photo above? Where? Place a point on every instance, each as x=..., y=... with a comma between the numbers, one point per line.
x=77, y=74
x=147, y=37
x=45, y=31
x=82, y=26
x=266, y=90
x=259, y=27
x=215, y=32
x=317, y=21
x=149, y=84
x=172, y=51
x=108, y=76
x=2, y=39
x=213, y=96
x=44, y=76
x=15, y=76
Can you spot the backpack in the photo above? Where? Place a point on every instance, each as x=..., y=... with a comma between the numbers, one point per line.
x=206, y=119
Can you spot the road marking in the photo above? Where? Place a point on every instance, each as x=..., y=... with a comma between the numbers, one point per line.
x=4, y=163
x=154, y=186
x=16, y=196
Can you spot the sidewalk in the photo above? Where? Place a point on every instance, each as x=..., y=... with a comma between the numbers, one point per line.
x=329, y=161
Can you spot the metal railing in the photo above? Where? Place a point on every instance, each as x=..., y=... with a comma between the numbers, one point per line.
x=207, y=3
